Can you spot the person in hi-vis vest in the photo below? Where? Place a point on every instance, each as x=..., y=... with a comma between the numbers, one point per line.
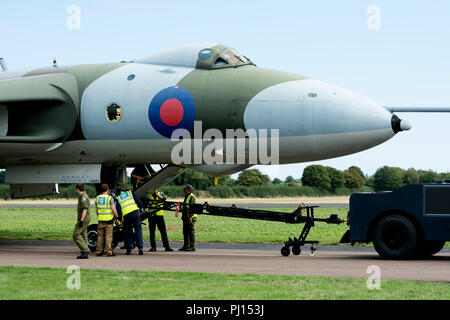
x=189, y=218
x=153, y=203
x=129, y=207
x=106, y=214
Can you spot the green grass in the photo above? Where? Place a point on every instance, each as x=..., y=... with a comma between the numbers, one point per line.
x=47, y=283
x=58, y=224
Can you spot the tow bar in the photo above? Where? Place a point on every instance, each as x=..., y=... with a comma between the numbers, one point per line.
x=303, y=214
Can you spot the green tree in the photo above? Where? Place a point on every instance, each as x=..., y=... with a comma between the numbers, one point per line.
x=336, y=177
x=357, y=171
x=427, y=176
x=252, y=177
x=388, y=178
x=411, y=176
x=353, y=179
x=316, y=176
x=226, y=180
x=198, y=180
x=276, y=181
x=290, y=179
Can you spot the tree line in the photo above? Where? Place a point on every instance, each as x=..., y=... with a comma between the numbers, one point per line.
x=316, y=180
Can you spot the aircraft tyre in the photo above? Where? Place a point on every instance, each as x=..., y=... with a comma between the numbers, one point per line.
x=395, y=237
x=92, y=235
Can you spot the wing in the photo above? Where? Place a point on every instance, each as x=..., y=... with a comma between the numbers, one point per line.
x=417, y=109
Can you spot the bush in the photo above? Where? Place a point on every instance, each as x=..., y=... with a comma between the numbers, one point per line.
x=173, y=191
x=4, y=192
x=221, y=192
x=252, y=177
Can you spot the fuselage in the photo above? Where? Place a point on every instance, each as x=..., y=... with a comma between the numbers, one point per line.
x=125, y=113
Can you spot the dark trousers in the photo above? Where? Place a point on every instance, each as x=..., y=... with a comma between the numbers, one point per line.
x=152, y=223
x=133, y=221
x=189, y=233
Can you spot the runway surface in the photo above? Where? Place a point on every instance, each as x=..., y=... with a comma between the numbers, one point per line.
x=331, y=261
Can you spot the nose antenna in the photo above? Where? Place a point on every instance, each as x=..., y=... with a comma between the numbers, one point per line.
x=399, y=124
x=3, y=65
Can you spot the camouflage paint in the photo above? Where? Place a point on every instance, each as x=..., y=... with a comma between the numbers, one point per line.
x=221, y=95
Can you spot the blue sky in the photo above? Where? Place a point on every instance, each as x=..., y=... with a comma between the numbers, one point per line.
x=405, y=62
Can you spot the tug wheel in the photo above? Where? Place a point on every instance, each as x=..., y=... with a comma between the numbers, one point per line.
x=285, y=251
x=296, y=250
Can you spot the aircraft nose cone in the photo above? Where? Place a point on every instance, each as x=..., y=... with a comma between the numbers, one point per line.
x=399, y=124
x=312, y=107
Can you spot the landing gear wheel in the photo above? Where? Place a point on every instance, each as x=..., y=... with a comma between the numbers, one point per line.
x=296, y=250
x=285, y=251
x=312, y=253
x=92, y=235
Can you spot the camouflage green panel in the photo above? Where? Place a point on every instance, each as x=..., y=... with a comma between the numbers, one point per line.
x=221, y=95
x=88, y=73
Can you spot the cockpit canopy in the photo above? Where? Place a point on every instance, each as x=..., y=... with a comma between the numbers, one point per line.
x=201, y=56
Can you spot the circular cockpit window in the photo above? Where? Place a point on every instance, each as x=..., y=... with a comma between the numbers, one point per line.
x=205, y=54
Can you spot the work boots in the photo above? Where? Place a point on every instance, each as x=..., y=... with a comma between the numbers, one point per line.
x=83, y=256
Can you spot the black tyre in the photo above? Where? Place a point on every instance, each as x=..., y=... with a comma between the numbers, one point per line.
x=285, y=251
x=428, y=248
x=296, y=250
x=395, y=237
x=92, y=235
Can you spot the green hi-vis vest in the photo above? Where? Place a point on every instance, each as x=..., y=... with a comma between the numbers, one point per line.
x=188, y=199
x=104, y=210
x=154, y=205
x=127, y=203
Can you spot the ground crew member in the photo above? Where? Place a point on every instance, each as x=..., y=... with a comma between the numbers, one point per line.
x=83, y=220
x=189, y=219
x=140, y=174
x=106, y=214
x=129, y=207
x=156, y=219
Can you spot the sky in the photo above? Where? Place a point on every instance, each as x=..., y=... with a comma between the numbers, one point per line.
x=400, y=59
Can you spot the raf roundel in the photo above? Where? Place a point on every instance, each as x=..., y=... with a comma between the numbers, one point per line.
x=170, y=109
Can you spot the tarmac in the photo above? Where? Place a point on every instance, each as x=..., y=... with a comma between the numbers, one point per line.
x=329, y=261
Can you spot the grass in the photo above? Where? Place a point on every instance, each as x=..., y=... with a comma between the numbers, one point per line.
x=58, y=224
x=48, y=283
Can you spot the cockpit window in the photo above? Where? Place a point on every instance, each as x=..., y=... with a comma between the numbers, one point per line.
x=229, y=55
x=220, y=62
x=205, y=54
x=220, y=56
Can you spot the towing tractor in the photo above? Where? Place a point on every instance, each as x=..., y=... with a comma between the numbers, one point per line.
x=408, y=223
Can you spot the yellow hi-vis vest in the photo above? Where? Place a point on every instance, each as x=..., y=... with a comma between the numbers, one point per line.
x=104, y=210
x=127, y=203
x=188, y=199
x=154, y=205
